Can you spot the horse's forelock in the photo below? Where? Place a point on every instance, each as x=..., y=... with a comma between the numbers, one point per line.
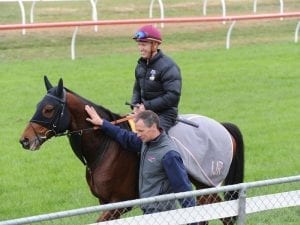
x=52, y=91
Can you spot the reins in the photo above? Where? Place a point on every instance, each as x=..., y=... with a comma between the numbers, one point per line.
x=80, y=132
x=124, y=119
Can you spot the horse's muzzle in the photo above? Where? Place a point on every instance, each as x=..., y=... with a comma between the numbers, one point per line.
x=31, y=145
x=25, y=143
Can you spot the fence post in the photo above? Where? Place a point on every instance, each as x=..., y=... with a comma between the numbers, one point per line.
x=228, y=36
x=73, y=43
x=242, y=206
x=223, y=7
x=94, y=13
x=162, y=12
x=297, y=32
x=280, y=2
x=22, y=15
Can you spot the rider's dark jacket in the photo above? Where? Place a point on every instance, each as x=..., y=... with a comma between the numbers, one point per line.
x=158, y=86
x=161, y=167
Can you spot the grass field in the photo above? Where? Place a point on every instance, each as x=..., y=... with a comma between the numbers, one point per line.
x=255, y=84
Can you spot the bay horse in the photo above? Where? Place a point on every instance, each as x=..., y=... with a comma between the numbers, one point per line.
x=111, y=172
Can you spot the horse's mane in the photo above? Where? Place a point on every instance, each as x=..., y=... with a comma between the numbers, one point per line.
x=103, y=112
x=75, y=139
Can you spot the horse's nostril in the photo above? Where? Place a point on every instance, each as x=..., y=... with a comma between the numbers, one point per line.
x=25, y=143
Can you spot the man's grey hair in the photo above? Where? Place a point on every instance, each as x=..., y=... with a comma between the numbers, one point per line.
x=148, y=117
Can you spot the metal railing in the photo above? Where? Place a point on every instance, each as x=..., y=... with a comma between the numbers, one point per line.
x=241, y=207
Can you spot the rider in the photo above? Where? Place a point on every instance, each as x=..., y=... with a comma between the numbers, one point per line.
x=157, y=85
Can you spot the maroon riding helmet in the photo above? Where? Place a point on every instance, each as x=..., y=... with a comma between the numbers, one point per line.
x=148, y=33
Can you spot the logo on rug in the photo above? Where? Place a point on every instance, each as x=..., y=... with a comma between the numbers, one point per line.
x=151, y=159
x=217, y=167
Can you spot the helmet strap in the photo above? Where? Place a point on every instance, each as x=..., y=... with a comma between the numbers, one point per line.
x=152, y=51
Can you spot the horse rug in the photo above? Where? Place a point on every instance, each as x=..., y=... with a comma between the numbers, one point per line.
x=206, y=150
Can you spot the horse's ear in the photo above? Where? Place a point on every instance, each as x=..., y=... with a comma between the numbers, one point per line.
x=47, y=83
x=60, y=88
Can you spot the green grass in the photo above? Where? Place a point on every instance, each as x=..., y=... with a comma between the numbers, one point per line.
x=255, y=84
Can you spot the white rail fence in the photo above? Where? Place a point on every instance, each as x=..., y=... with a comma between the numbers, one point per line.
x=286, y=193
x=92, y=2
x=231, y=19
x=95, y=22
x=33, y=3
x=95, y=14
x=223, y=4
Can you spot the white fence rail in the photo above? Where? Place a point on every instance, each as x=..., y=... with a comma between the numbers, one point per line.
x=213, y=211
x=93, y=5
x=242, y=207
x=231, y=19
x=223, y=3
x=33, y=3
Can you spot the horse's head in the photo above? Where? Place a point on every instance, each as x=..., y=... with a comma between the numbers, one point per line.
x=50, y=119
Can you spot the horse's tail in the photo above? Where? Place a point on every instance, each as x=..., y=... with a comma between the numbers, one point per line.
x=236, y=171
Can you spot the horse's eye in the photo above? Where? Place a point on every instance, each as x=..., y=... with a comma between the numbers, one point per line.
x=48, y=111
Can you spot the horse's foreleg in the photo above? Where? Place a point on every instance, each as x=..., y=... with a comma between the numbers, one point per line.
x=107, y=215
x=208, y=199
x=228, y=220
x=112, y=214
x=213, y=198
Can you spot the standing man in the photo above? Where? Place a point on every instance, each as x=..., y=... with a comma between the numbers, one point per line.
x=161, y=166
x=157, y=84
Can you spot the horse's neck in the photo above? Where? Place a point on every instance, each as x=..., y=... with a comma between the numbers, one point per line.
x=90, y=145
x=77, y=112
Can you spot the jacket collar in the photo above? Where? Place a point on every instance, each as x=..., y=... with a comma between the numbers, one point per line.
x=153, y=59
x=157, y=140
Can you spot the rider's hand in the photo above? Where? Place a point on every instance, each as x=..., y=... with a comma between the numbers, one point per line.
x=138, y=108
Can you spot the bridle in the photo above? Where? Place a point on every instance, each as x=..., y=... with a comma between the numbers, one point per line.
x=59, y=128
x=54, y=125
